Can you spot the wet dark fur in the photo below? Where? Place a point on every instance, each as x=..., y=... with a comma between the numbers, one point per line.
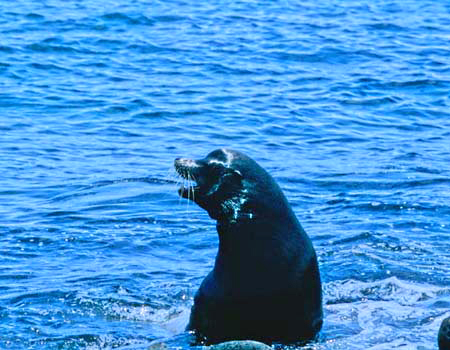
x=444, y=335
x=265, y=284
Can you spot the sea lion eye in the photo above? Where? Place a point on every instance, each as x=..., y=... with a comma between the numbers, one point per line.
x=215, y=169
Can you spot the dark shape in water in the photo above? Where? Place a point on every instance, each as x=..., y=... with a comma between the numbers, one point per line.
x=444, y=335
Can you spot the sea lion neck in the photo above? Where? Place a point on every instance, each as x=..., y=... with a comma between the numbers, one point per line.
x=243, y=264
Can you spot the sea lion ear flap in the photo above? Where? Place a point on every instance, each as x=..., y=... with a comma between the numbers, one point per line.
x=231, y=177
x=235, y=175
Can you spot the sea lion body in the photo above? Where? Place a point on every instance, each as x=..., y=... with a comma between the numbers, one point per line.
x=265, y=284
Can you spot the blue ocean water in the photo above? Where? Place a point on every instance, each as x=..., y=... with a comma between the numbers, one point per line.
x=345, y=103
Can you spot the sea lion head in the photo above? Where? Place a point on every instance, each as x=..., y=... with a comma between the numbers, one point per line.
x=229, y=186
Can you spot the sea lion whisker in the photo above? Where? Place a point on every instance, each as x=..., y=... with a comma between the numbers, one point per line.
x=176, y=182
x=173, y=178
x=192, y=188
x=189, y=193
x=181, y=186
x=171, y=175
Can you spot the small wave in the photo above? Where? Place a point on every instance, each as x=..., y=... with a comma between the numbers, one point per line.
x=359, y=237
x=392, y=27
x=343, y=139
x=422, y=169
x=87, y=190
x=325, y=54
x=168, y=18
x=225, y=69
x=62, y=213
x=128, y=19
x=379, y=312
x=155, y=115
x=48, y=67
x=150, y=180
x=378, y=185
x=408, y=84
x=8, y=278
x=93, y=341
x=143, y=220
x=6, y=49
x=371, y=101
x=379, y=206
x=46, y=47
x=36, y=297
x=124, y=305
x=35, y=16
x=389, y=289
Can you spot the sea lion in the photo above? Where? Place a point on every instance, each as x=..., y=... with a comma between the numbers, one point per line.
x=265, y=284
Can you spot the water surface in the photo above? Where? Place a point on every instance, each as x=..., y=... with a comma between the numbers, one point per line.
x=345, y=103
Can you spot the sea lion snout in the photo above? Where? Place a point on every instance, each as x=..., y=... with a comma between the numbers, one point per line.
x=183, y=166
x=187, y=168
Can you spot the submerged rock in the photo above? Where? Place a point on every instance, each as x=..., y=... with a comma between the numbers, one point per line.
x=239, y=345
x=158, y=346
